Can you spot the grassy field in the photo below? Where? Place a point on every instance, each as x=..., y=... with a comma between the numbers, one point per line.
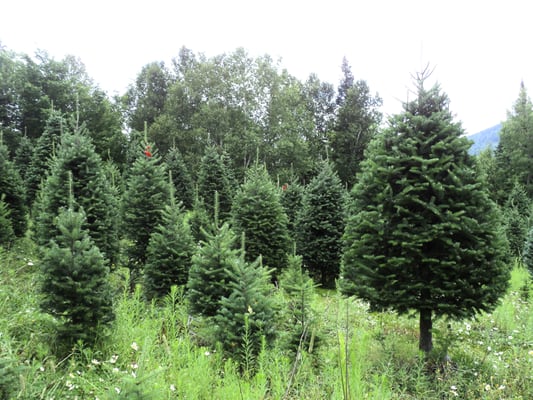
x=159, y=352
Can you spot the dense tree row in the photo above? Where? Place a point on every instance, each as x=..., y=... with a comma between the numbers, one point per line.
x=234, y=176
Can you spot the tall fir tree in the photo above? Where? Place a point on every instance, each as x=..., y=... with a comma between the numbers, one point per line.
x=258, y=213
x=527, y=253
x=320, y=226
x=169, y=252
x=213, y=176
x=76, y=157
x=147, y=191
x=43, y=152
x=208, y=276
x=423, y=234
x=180, y=178
x=517, y=217
x=75, y=284
x=246, y=317
x=6, y=228
x=291, y=200
x=12, y=192
x=356, y=122
x=514, y=154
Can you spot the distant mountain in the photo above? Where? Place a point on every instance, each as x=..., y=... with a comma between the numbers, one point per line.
x=487, y=138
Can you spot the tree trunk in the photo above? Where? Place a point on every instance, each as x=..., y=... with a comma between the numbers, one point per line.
x=426, y=331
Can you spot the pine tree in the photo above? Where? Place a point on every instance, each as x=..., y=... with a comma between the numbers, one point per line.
x=423, y=234
x=45, y=149
x=257, y=212
x=23, y=156
x=180, y=178
x=214, y=177
x=146, y=194
x=169, y=252
x=208, y=276
x=75, y=281
x=247, y=315
x=291, y=200
x=527, y=254
x=77, y=158
x=517, y=213
x=320, y=226
x=12, y=190
x=6, y=229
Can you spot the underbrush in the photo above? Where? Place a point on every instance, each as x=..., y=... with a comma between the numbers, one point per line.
x=157, y=351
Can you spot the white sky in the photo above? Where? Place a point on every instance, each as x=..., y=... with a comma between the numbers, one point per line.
x=481, y=50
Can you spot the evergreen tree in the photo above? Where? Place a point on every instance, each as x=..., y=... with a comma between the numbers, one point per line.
x=180, y=178
x=23, y=156
x=514, y=154
x=517, y=211
x=147, y=191
x=12, y=192
x=169, y=252
x=77, y=158
x=43, y=152
x=214, y=177
x=299, y=288
x=75, y=281
x=357, y=120
x=208, y=276
x=257, y=212
x=423, y=234
x=291, y=200
x=527, y=254
x=6, y=229
x=321, y=225
x=247, y=315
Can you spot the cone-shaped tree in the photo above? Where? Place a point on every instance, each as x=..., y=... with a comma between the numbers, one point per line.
x=77, y=158
x=247, y=315
x=423, y=234
x=23, y=156
x=320, y=226
x=517, y=213
x=43, y=152
x=291, y=200
x=258, y=213
x=6, y=229
x=147, y=191
x=169, y=252
x=527, y=254
x=208, y=276
x=214, y=177
x=12, y=191
x=180, y=178
x=75, y=281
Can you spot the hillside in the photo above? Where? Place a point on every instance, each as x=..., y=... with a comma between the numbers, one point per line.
x=488, y=137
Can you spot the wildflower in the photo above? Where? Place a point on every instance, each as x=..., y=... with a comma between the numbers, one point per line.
x=501, y=387
x=172, y=388
x=147, y=151
x=117, y=390
x=95, y=362
x=113, y=359
x=487, y=387
x=531, y=353
x=30, y=263
x=285, y=187
x=134, y=366
x=135, y=346
x=207, y=353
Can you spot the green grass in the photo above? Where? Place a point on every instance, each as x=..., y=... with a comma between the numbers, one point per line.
x=156, y=351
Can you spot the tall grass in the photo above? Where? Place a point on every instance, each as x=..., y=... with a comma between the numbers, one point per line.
x=156, y=351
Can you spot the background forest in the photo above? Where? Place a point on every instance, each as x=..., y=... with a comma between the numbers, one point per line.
x=225, y=230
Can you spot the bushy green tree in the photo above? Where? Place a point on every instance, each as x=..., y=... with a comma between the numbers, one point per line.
x=208, y=276
x=246, y=317
x=423, y=234
x=527, y=254
x=6, y=228
x=76, y=159
x=320, y=226
x=12, y=192
x=147, y=191
x=257, y=212
x=291, y=199
x=169, y=253
x=517, y=214
x=75, y=283
x=213, y=177
x=180, y=178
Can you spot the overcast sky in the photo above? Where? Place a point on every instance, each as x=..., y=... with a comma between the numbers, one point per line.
x=481, y=50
